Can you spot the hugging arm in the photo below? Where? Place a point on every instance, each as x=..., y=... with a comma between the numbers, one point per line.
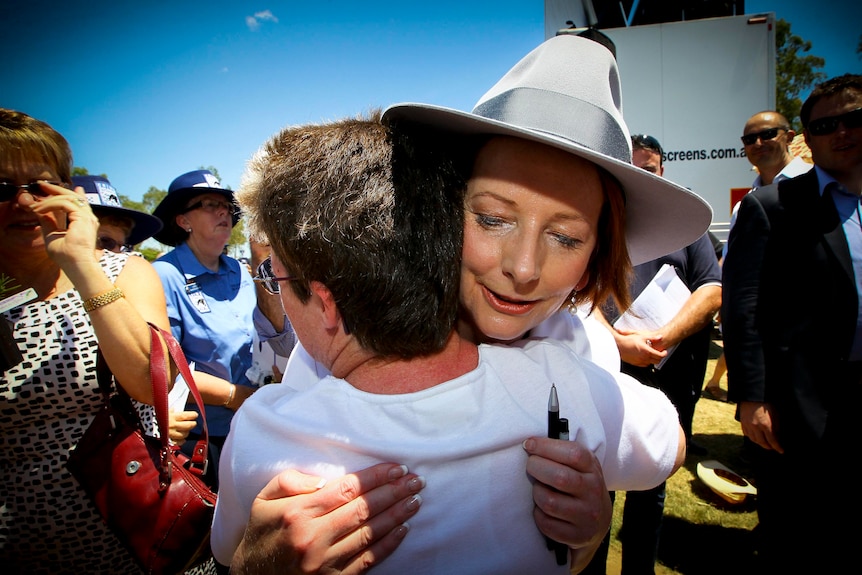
x=346, y=526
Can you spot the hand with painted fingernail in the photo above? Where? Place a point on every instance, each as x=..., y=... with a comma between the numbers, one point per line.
x=305, y=524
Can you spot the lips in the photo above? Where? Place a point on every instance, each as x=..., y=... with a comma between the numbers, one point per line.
x=508, y=306
x=24, y=224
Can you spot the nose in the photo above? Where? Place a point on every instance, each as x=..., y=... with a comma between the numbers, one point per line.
x=522, y=258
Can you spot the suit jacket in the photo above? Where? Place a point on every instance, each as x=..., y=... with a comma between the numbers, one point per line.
x=789, y=311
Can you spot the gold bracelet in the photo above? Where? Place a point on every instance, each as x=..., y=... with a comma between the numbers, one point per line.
x=230, y=397
x=103, y=299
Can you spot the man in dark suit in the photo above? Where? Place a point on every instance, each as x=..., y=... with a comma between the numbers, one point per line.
x=793, y=338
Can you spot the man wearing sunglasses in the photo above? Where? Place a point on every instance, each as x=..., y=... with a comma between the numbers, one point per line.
x=766, y=138
x=792, y=324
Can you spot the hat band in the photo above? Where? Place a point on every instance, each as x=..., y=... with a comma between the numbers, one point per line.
x=582, y=123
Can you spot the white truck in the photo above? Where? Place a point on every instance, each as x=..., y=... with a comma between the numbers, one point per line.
x=691, y=85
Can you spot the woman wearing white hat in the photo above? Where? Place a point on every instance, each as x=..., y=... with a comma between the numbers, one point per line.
x=550, y=199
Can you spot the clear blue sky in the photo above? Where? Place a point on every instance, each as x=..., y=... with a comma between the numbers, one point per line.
x=146, y=91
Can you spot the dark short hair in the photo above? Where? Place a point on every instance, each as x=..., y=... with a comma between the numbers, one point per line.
x=830, y=87
x=24, y=139
x=647, y=142
x=375, y=213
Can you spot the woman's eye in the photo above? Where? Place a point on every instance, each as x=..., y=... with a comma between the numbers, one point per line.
x=487, y=221
x=566, y=241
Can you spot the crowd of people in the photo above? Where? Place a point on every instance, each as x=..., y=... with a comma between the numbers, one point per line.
x=433, y=275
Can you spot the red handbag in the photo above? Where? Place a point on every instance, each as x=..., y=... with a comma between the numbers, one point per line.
x=150, y=494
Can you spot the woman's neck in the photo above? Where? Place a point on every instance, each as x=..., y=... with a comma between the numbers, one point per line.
x=390, y=376
x=208, y=256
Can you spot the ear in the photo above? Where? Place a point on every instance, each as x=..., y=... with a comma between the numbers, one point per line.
x=790, y=135
x=182, y=221
x=329, y=310
x=585, y=279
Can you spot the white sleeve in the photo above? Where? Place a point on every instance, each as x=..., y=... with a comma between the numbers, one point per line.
x=230, y=519
x=641, y=428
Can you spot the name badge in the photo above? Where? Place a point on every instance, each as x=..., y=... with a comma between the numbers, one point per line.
x=197, y=297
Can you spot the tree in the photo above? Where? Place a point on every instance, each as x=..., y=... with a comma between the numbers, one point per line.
x=237, y=234
x=795, y=72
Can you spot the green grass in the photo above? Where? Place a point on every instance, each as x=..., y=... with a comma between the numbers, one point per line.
x=702, y=534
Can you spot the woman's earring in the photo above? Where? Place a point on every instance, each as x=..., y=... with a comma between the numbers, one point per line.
x=572, y=304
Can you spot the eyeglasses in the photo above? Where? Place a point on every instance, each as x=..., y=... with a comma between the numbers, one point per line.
x=643, y=141
x=764, y=136
x=110, y=244
x=211, y=206
x=9, y=191
x=827, y=125
x=266, y=277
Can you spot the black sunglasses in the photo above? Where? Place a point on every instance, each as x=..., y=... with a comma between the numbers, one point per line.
x=110, y=244
x=764, y=136
x=211, y=206
x=266, y=277
x=9, y=191
x=827, y=125
x=647, y=142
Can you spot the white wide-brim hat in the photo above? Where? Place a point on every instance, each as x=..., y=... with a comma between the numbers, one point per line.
x=726, y=483
x=566, y=94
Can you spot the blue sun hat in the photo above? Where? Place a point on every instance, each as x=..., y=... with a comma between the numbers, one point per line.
x=181, y=190
x=104, y=200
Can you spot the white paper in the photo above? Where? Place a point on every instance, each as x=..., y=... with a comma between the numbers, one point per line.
x=179, y=393
x=656, y=305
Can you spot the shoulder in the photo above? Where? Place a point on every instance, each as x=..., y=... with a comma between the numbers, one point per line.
x=533, y=350
x=168, y=265
x=791, y=187
x=535, y=359
x=113, y=263
x=796, y=167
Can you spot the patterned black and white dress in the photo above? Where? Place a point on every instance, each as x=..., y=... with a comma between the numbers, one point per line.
x=47, y=522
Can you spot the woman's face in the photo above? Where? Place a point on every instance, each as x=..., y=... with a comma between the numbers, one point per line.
x=210, y=219
x=530, y=227
x=111, y=237
x=19, y=227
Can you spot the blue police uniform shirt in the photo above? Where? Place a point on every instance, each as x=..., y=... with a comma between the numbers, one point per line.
x=211, y=318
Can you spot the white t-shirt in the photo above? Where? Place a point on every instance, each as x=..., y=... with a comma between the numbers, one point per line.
x=464, y=436
x=583, y=334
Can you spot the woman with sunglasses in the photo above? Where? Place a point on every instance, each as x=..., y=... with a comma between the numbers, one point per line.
x=213, y=305
x=62, y=301
x=120, y=228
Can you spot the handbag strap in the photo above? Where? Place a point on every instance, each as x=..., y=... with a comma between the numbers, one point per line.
x=159, y=371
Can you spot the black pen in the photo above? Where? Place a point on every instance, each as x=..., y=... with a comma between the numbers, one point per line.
x=561, y=551
x=564, y=428
x=554, y=414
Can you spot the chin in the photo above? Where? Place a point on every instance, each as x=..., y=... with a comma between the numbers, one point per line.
x=504, y=330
